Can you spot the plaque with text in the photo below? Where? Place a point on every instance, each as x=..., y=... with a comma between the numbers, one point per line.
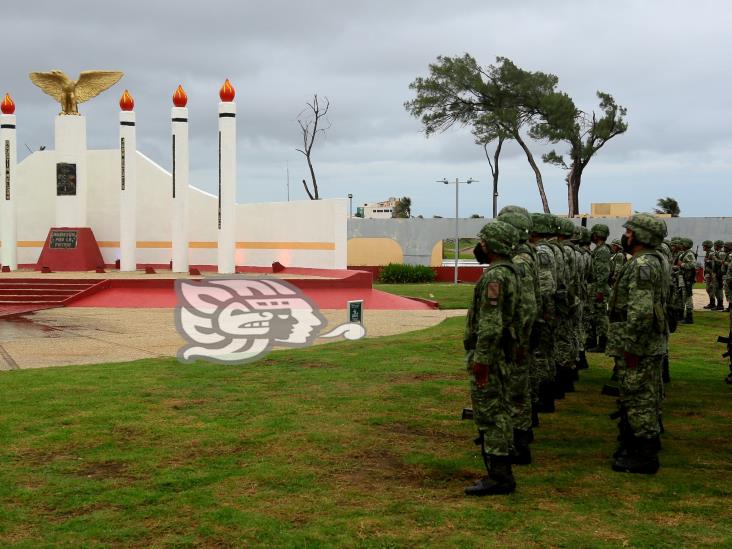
x=355, y=311
x=65, y=179
x=63, y=239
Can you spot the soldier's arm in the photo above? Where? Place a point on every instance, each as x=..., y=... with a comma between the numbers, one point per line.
x=491, y=321
x=641, y=288
x=601, y=271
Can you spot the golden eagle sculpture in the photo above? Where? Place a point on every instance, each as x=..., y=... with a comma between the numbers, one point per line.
x=69, y=93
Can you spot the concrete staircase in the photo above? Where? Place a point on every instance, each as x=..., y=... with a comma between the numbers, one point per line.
x=24, y=295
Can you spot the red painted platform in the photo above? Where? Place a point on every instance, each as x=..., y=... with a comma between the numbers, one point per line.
x=329, y=289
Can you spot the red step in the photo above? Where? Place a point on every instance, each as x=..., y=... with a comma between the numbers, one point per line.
x=23, y=295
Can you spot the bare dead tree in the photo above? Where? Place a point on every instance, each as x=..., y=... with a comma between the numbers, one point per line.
x=312, y=120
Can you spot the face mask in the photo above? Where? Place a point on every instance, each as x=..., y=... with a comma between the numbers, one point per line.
x=625, y=245
x=480, y=255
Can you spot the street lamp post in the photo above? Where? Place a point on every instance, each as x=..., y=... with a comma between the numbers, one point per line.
x=350, y=205
x=457, y=222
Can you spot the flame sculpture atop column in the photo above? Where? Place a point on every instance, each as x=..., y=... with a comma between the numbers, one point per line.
x=126, y=102
x=8, y=105
x=180, y=99
x=227, y=92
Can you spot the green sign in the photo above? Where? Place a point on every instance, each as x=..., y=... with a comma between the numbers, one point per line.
x=63, y=239
x=355, y=311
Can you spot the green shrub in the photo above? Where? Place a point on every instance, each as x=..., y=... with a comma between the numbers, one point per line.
x=396, y=273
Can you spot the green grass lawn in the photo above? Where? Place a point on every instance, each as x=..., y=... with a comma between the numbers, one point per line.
x=352, y=444
x=448, y=295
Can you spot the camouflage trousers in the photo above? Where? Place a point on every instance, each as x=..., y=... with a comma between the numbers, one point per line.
x=599, y=318
x=542, y=367
x=689, y=297
x=709, y=284
x=519, y=387
x=718, y=287
x=641, y=393
x=566, y=341
x=492, y=408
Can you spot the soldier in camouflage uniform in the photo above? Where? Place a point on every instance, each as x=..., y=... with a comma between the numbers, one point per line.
x=687, y=266
x=567, y=332
x=519, y=389
x=490, y=340
x=720, y=259
x=617, y=260
x=709, y=274
x=677, y=279
x=544, y=227
x=637, y=339
x=726, y=267
x=583, y=244
x=601, y=274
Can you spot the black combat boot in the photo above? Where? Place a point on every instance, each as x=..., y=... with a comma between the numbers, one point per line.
x=582, y=363
x=719, y=307
x=712, y=304
x=521, y=453
x=567, y=378
x=641, y=457
x=558, y=384
x=689, y=318
x=546, y=398
x=499, y=481
x=665, y=372
x=534, y=415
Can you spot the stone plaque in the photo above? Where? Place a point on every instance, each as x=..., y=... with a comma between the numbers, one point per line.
x=355, y=311
x=63, y=239
x=65, y=179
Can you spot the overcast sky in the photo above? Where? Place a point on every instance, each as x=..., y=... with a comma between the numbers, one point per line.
x=666, y=61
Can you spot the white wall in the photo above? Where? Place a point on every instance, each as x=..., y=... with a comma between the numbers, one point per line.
x=265, y=232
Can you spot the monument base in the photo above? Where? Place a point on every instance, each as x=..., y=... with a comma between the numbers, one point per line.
x=70, y=249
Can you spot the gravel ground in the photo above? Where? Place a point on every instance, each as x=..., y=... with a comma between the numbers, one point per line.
x=58, y=337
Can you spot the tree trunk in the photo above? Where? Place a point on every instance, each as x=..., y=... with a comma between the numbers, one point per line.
x=574, y=180
x=537, y=173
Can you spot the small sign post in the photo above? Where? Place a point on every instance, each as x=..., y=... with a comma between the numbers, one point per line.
x=355, y=311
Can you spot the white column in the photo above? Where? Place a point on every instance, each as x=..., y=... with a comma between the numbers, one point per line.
x=227, y=186
x=179, y=121
x=70, y=139
x=128, y=192
x=8, y=225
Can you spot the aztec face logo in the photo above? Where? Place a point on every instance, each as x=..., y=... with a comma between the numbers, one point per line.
x=240, y=320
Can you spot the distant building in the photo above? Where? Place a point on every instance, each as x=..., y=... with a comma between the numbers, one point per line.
x=377, y=210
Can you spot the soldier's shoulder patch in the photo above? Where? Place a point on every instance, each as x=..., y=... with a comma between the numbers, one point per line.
x=644, y=273
x=493, y=290
x=544, y=259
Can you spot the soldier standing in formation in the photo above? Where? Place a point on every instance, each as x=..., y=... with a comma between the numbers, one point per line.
x=727, y=269
x=490, y=340
x=601, y=275
x=720, y=260
x=637, y=340
x=709, y=278
x=687, y=265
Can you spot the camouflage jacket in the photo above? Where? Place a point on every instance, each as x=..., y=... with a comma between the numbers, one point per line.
x=561, y=298
x=687, y=263
x=547, y=267
x=709, y=258
x=618, y=261
x=492, y=324
x=637, y=308
x=528, y=279
x=720, y=262
x=570, y=273
x=601, y=270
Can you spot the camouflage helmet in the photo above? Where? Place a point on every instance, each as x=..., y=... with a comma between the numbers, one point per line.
x=707, y=244
x=520, y=220
x=500, y=237
x=719, y=242
x=689, y=243
x=600, y=230
x=514, y=209
x=576, y=234
x=728, y=245
x=617, y=242
x=647, y=229
x=566, y=227
x=543, y=223
x=585, y=236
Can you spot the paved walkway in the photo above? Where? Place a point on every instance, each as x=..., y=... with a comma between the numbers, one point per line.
x=58, y=337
